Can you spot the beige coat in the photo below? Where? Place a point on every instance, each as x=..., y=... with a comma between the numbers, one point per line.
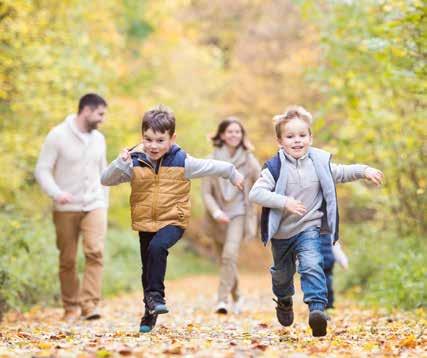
x=213, y=199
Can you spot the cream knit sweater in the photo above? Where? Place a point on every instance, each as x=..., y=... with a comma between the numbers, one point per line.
x=72, y=161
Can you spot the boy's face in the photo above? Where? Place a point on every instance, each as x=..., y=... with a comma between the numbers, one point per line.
x=295, y=138
x=157, y=144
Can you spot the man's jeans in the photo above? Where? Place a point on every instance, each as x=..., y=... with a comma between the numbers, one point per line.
x=154, y=248
x=306, y=248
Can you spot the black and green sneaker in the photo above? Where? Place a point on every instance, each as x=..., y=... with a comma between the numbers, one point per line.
x=285, y=311
x=148, y=321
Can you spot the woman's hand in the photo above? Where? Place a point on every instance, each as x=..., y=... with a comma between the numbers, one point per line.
x=222, y=218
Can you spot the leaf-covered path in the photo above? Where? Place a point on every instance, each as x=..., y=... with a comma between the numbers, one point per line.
x=192, y=329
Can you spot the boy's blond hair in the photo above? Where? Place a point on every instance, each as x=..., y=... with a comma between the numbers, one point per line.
x=291, y=112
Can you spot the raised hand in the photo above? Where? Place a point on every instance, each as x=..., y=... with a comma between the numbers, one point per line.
x=125, y=155
x=295, y=206
x=374, y=175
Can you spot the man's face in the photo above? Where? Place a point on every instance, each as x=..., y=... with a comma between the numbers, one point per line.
x=94, y=117
x=295, y=138
x=157, y=144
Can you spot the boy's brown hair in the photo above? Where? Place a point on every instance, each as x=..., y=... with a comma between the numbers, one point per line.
x=159, y=119
x=292, y=112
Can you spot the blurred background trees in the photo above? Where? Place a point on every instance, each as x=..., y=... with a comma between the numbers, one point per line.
x=358, y=66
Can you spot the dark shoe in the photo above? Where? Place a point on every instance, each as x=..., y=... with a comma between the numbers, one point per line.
x=221, y=308
x=318, y=322
x=91, y=313
x=155, y=307
x=148, y=321
x=284, y=311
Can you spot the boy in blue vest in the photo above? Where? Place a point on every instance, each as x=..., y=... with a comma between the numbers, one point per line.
x=159, y=172
x=297, y=191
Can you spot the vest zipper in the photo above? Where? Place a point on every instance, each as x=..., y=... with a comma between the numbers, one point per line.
x=156, y=189
x=154, y=202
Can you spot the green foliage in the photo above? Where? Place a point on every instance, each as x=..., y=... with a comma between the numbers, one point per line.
x=373, y=78
x=386, y=270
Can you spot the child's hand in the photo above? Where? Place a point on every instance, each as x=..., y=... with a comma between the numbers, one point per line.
x=125, y=155
x=222, y=218
x=374, y=175
x=295, y=206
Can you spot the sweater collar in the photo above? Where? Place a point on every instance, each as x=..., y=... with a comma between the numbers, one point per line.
x=292, y=160
x=71, y=122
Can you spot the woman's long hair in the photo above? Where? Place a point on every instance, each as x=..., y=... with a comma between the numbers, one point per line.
x=222, y=127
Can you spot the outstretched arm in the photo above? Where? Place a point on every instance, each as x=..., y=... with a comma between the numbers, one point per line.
x=346, y=173
x=197, y=168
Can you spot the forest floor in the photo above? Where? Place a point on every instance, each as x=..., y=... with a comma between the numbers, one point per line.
x=192, y=328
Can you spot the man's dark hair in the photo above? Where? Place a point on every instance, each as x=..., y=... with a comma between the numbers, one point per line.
x=92, y=100
x=159, y=119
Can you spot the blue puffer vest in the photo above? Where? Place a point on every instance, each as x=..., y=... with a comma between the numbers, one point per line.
x=271, y=218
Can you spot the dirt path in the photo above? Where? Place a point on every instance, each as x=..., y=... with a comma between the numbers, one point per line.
x=191, y=329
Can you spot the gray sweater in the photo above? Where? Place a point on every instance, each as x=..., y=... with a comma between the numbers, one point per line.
x=302, y=184
x=120, y=171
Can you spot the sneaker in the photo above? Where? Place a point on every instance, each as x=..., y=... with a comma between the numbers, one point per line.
x=148, y=321
x=91, y=313
x=221, y=308
x=318, y=322
x=284, y=311
x=155, y=307
x=238, y=306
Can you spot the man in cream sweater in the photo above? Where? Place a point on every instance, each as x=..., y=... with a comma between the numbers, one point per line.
x=71, y=161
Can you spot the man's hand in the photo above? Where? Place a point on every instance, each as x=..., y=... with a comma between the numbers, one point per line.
x=222, y=218
x=125, y=155
x=374, y=175
x=295, y=206
x=64, y=198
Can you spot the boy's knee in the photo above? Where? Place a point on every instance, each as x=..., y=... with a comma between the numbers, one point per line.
x=157, y=247
x=313, y=262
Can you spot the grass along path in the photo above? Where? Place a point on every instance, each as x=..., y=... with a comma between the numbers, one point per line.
x=192, y=329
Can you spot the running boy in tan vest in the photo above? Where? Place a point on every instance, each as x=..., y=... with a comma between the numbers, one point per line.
x=160, y=198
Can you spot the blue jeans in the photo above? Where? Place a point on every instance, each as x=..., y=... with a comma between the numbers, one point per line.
x=154, y=249
x=306, y=248
x=328, y=266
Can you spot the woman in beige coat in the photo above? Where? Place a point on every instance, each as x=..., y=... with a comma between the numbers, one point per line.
x=230, y=217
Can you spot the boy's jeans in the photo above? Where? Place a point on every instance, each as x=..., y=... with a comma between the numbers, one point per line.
x=306, y=248
x=154, y=252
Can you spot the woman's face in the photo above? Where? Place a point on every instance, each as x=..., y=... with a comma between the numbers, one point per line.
x=232, y=136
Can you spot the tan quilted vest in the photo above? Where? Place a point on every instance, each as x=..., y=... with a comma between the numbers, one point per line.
x=159, y=199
